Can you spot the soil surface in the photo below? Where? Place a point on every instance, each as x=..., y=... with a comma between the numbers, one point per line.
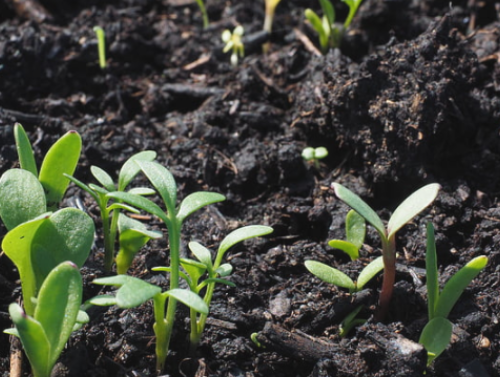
x=411, y=97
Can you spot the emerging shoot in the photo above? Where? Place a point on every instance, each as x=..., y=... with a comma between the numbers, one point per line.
x=311, y=154
x=101, y=46
x=234, y=43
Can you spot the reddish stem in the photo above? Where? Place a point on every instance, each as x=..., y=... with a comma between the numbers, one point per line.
x=389, y=256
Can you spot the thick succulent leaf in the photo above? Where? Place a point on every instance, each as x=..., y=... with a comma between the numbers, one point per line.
x=355, y=228
x=162, y=180
x=58, y=304
x=130, y=169
x=68, y=235
x=435, y=337
x=61, y=159
x=195, y=201
x=189, y=299
x=369, y=272
x=224, y=270
x=35, y=342
x=411, y=207
x=346, y=246
x=22, y=197
x=431, y=272
x=356, y=203
x=103, y=178
x=454, y=288
x=24, y=150
x=330, y=275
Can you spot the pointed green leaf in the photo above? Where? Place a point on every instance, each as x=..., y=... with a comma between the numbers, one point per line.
x=242, y=234
x=454, y=288
x=140, y=202
x=123, y=206
x=24, y=150
x=201, y=253
x=58, y=305
x=347, y=247
x=195, y=201
x=431, y=272
x=132, y=291
x=35, y=342
x=21, y=197
x=189, y=299
x=369, y=272
x=217, y=281
x=144, y=191
x=328, y=10
x=355, y=228
x=330, y=275
x=163, y=181
x=83, y=186
x=103, y=300
x=435, y=337
x=61, y=158
x=103, y=178
x=130, y=169
x=363, y=209
x=411, y=207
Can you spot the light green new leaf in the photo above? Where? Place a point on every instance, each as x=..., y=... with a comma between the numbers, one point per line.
x=411, y=207
x=328, y=11
x=435, y=337
x=363, y=209
x=201, y=253
x=355, y=228
x=24, y=150
x=431, y=272
x=58, y=305
x=162, y=180
x=457, y=284
x=103, y=178
x=189, y=299
x=239, y=235
x=330, y=275
x=22, y=197
x=61, y=158
x=130, y=168
x=369, y=272
x=193, y=202
x=347, y=247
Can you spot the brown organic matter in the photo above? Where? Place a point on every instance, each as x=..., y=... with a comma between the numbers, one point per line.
x=411, y=97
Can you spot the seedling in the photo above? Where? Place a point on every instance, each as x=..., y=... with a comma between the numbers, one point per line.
x=436, y=335
x=234, y=43
x=270, y=9
x=45, y=333
x=194, y=270
x=173, y=218
x=405, y=212
x=101, y=46
x=329, y=33
x=311, y=154
x=351, y=321
x=204, y=13
x=110, y=213
x=355, y=228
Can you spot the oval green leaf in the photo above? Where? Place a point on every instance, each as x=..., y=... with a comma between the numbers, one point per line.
x=369, y=272
x=347, y=247
x=103, y=178
x=24, y=150
x=130, y=169
x=162, y=180
x=435, y=337
x=189, y=299
x=193, y=202
x=330, y=275
x=355, y=228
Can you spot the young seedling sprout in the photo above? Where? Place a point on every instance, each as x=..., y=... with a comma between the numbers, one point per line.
x=329, y=33
x=311, y=154
x=101, y=46
x=270, y=9
x=405, y=212
x=234, y=43
x=436, y=334
x=204, y=13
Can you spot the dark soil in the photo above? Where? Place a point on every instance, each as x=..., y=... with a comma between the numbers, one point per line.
x=412, y=97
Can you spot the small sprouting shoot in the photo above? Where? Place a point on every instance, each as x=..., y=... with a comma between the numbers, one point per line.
x=101, y=46
x=311, y=154
x=234, y=43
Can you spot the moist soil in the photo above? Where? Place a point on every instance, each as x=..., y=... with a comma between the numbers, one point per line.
x=410, y=98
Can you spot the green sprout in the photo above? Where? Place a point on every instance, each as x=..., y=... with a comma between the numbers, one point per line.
x=355, y=229
x=314, y=154
x=57, y=314
x=270, y=10
x=405, y=212
x=134, y=235
x=436, y=334
x=204, y=13
x=329, y=33
x=101, y=46
x=215, y=271
x=174, y=217
x=234, y=43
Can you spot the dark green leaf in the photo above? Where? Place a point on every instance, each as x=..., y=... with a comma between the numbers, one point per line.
x=431, y=272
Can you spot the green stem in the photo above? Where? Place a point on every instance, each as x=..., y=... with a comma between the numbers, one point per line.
x=389, y=257
x=352, y=12
x=110, y=228
x=204, y=14
x=160, y=329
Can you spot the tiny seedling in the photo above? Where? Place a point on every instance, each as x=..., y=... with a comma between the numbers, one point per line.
x=234, y=43
x=136, y=232
x=405, y=212
x=311, y=154
x=57, y=314
x=270, y=10
x=204, y=13
x=355, y=229
x=194, y=270
x=329, y=33
x=174, y=217
x=101, y=46
x=436, y=335
x=351, y=321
